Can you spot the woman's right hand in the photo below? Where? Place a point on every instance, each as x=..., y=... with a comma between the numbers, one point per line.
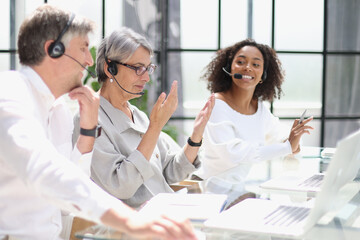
x=164, y=108
x=297, y=130
x=160, y=114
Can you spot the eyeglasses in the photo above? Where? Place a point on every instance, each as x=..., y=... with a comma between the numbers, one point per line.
x=139, y=70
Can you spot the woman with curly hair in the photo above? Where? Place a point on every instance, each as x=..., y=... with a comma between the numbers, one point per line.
x=241, y=130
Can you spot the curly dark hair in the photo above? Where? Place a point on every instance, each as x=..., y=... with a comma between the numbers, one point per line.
x=219, y=81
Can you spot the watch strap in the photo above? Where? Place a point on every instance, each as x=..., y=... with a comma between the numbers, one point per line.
x=95, y=132
x=194, y=144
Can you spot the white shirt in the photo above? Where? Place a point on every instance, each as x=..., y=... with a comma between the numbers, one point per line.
x=36, y=177
x=233, y=142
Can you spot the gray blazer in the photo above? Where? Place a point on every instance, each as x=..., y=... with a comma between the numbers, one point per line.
x=123, y=171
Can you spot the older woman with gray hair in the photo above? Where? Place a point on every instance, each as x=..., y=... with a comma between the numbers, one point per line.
x=133, y=159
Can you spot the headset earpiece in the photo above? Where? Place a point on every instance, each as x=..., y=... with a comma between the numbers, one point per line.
x=264, y=76
x=57, y=48
x=228, y=67
x=112, y=68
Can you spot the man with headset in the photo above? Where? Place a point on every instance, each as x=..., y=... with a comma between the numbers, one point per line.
x=39, y=175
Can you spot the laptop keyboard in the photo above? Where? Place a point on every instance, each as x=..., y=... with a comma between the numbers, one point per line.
x=314, y=181
x=286, y=216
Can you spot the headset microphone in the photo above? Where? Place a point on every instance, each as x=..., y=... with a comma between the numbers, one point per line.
x=139, y=93
x=236, y=75
x=90, y=72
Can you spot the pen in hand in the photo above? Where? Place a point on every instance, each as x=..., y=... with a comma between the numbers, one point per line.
x=302, y=116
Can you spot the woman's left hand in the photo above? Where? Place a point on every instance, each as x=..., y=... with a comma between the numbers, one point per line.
x=202, y=119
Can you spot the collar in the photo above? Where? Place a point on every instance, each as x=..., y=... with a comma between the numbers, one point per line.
x=39, y=85
x=120, y=120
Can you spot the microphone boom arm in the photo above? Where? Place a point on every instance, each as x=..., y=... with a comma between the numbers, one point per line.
x=90, y=72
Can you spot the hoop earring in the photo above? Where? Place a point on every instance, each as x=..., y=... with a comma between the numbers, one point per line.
x=111, y=80
x=261, y=81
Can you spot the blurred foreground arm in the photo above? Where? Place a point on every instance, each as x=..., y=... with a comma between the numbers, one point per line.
x=144, y=226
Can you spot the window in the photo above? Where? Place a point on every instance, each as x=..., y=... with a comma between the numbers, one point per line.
x=321, y=75
x=6, y=37
x=319, y=48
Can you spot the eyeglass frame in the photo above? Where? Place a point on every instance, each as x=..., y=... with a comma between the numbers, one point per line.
x=136, y=69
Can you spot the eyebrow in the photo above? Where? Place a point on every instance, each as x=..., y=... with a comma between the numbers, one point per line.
x=142, y=64
x=242, y=56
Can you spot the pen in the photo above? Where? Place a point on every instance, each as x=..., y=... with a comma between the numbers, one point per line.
x=302, y=116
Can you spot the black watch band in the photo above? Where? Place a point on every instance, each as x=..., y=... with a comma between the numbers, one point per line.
x=194, y=144
x=95, y=132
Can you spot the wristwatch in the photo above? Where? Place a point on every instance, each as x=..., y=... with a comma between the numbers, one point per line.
x=95, y=132
x=194, y=144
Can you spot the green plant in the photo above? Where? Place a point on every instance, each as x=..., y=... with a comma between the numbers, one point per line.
x=94, y=84
x=171, y=131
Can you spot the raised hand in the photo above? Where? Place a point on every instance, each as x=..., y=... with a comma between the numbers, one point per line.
x=164, y=108
x=297, y=130
x=202, y=119
x=160, y=114
x=199, y=126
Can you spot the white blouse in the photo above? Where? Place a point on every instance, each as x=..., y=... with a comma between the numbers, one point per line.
x=233, y=142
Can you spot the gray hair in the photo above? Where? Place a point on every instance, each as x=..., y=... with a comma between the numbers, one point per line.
x=119, y=46
x=46, y=23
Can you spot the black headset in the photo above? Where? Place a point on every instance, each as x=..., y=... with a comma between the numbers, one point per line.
x=57, y=48
x=112, y=67
x=263, y=77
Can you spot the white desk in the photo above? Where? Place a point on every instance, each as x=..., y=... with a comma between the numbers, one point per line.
x=345, y=224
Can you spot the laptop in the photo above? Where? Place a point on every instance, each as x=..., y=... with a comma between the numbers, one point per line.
x=310, y=184
x=271, y=218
